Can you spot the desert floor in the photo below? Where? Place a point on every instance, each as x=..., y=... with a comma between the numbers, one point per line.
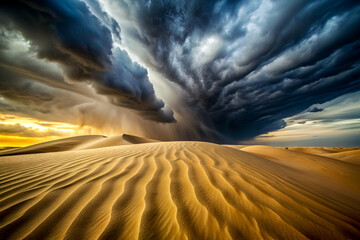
x=126, y=187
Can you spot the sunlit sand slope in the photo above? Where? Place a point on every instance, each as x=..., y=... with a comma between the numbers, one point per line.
x=54, y=146
x=77, y=143
x=118, y=140
x=178, y=190
x=347, y=154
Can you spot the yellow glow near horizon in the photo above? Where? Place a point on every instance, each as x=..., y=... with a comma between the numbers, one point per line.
x=36, y=124
x=42, y=131
x=15, y=141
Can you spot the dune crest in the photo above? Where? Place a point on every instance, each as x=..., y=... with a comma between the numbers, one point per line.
x=347, y=154
x=64, y=144
x=177, y=190
x=77, y=143
x=117, y=140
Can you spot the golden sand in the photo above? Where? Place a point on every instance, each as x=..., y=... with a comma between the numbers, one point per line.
x=126, y=187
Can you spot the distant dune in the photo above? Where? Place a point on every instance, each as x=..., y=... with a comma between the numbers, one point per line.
x=347, y=154
x=127, y=187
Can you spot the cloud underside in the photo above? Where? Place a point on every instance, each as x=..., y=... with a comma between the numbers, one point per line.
x=246, y=65
x=69, y=34
x=241, y=66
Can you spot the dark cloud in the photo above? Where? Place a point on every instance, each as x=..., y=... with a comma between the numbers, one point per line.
x=105, y=18
x=25, y=92
x=246, y=65
x=315, y=109
x=66, y=32
x=240, y=67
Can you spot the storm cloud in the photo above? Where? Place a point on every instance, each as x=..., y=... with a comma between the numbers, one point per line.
x=315, y=109
x=66, y=32
x=239, y=67
x=246, y=65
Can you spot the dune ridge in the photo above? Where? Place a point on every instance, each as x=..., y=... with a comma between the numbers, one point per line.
x=77, y=143
x=53, y=146
x=177, y=190
x=347, y=154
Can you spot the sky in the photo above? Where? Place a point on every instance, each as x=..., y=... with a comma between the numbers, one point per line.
x=281, y=73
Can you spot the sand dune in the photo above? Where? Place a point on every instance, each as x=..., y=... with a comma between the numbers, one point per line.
x=347, y=154
x=118, y=140
x=77, y=143
x=110, y=189
x=53, y=146
x=322, y=150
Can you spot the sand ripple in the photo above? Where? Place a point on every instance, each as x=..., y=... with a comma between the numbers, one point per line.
x=178, y=190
